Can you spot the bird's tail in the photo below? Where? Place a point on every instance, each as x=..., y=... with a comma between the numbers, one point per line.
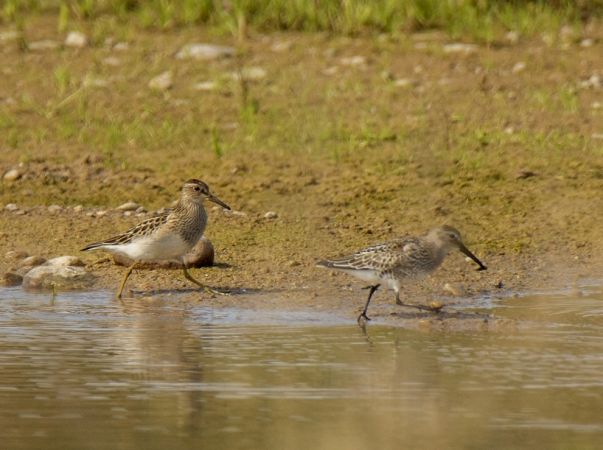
x=325, y=263
x=93, y=246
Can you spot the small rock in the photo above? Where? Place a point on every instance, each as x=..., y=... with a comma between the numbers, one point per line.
x=128, y=213
x=9, y=35
x=205, y=86
x=100, y=213
x=16, y=254
x=111, y=61
x=512, y=37
x=294, y=263
x=249, y=73
x=140, y=210
x=162, y=82
x=129, y=206
x=270, y=215
x=587, y=42
x=281, y=46
x=11, y=279
x=525, y=173
x=455, y=289
x=46, y=44
x=204, y=52
x=11, y=207
x=32, y=261
x=121, y=47
x=90, y=81
x=54, y=209
x=353, y=61
x=12, y=175
x=76, y=39
x=64, y=261
x=201, y=255
x=594, y=81
x=459, y=47
x=405, y=82
x=62, y=277
x=519, y=67
x=78, y=209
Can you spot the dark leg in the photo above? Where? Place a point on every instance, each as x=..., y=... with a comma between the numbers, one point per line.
x=373, y=289
x=126, y=276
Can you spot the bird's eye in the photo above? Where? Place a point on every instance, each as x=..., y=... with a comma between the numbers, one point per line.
x=197, y=188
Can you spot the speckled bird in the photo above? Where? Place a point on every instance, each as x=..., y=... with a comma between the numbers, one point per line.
x=167, y=236
x=393, y=262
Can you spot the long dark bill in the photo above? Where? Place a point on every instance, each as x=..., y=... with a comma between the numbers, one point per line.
x=466, y=251
x=213, y=198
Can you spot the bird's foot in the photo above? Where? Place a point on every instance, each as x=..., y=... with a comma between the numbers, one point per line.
x=215, y=292
x=362, y=319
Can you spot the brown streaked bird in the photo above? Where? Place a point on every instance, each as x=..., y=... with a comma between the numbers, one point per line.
x=393, y=262
x=167, y=236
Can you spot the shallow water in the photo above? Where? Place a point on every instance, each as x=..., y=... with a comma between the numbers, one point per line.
x=87, y=372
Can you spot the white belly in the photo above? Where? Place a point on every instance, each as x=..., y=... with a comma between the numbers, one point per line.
x=169, y=247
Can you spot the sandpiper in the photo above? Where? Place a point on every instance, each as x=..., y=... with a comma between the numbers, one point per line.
x=393, y=262
x=167, y=236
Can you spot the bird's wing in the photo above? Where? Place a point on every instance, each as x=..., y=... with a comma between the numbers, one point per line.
x=143, y=228
x=376, y=257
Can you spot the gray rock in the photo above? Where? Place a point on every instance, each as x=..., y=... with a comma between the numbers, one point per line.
x=11, y=279
x=16, y=254
x=61, y=277
x=162, y=82
x=205, y=86
x=46, y=44
x=459, y=47
x=11, y=207
x=65, y=261
x=76, y=39
x=270, y=215
x=32, y=261
x=12, y=175
x=204, y=52
x=128, y=206
x=9, y=35
x=201, y=255
x=249, y=73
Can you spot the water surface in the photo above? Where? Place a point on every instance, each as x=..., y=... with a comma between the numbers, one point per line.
x=87, y=372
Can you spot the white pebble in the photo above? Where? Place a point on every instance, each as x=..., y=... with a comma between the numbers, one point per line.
x=270, y=215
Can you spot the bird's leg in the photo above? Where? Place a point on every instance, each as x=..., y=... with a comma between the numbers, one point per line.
x=368, y=301
x=410, y=305
x=207, y=289
x=123, y=281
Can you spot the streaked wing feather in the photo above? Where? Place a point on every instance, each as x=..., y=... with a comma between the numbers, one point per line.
x=377, y=257
x=143, y=228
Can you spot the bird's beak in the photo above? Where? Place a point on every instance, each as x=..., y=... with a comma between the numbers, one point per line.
x=213, y=198
x=467, y=252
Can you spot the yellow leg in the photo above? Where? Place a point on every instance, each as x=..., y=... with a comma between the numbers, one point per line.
x=123, y=282
x=202, y=286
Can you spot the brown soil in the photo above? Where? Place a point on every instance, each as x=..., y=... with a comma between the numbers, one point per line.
x=514, y=160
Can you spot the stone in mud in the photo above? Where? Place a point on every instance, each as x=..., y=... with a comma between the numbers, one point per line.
x=11, y=279
x=162, y=82
x=201, y=255
x=76, y=39
x=61, y=277
x=65, y=261
x=204, y=52
x=32, y=261
x=16, y=254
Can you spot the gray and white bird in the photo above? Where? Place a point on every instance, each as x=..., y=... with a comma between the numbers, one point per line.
x=167, y=236
x=393, y=262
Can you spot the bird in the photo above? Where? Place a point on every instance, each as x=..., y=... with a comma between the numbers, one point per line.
x=393, y=262
x=165, y=236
